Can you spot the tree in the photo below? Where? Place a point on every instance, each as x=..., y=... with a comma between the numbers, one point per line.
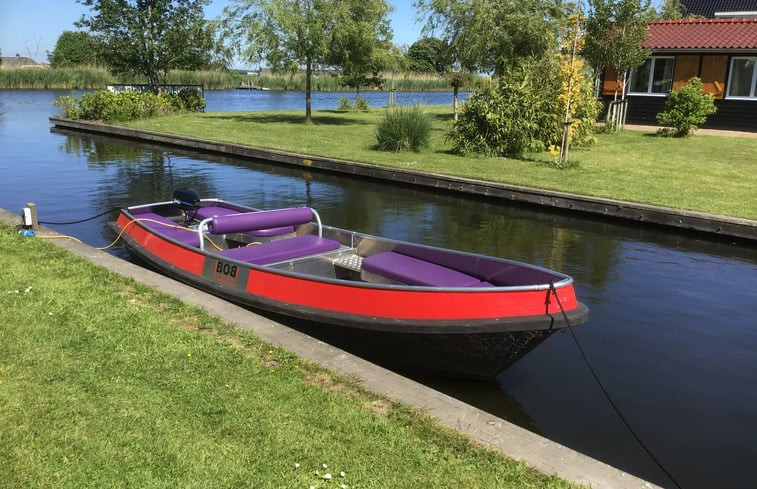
x=288, y=34
x=577, y=104
x=429, y=55
x=150, y=37
x=361, y=43
x=493, y=35
x=76, y=49
x=671, y=10
x=615, y=32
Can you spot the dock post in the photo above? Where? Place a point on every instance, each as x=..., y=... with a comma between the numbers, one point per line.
x=33, y=214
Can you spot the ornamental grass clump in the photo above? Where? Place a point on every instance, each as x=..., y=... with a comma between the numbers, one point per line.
x=404, y=128
x=687, y=108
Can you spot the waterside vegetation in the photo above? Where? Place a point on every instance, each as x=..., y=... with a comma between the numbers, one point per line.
x=95, y=78
x=108, y=383
x=702, y=173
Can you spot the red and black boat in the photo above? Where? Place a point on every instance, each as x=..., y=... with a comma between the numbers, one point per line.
x=424, y=308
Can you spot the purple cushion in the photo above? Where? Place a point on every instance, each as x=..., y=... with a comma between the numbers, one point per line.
x=250, y=221
x=213, y=211
x=169, y=228
x=281, y=250
x=414, y=271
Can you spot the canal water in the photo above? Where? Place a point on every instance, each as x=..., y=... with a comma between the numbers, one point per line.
x=672, y=332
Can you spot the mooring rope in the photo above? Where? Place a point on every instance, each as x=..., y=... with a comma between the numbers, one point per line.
x=81, y=220
x=113, y=243
x=607, y=394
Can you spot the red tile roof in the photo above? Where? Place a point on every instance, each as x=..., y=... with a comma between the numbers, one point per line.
x=737, y=33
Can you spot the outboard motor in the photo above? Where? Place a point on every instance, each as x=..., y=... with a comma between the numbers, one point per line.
x=188, y=201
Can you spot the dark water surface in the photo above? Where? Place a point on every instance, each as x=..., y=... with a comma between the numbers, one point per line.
x=673, y=324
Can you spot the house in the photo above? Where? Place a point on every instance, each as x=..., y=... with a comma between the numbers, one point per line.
x=18, y=61
x=711, y=9
x=721, y=51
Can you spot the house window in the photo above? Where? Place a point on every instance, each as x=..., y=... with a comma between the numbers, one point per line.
x=742, y=78
x=654, y=77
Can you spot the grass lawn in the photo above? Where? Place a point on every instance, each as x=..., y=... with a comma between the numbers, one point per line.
x=713, y=174
x=108, y=383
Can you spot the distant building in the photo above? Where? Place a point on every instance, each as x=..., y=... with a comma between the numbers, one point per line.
x=18, y=61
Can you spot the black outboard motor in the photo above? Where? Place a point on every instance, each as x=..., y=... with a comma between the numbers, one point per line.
x=188, y=201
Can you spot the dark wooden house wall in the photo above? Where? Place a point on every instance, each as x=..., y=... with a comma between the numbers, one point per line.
x=734, y=115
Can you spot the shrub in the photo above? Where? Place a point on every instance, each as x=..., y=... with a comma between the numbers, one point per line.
x=344, y=104
x=510, y=116
x=190, y=100
x=687, y=108
x=128, y=105
x=404, y=128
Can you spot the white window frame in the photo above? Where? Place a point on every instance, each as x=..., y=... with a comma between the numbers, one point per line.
x=650, y=80
x=753, y=90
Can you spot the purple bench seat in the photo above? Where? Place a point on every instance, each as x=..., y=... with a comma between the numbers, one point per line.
x=169, y=228
x=281, y=250
x=214, y=211
x=414, y=271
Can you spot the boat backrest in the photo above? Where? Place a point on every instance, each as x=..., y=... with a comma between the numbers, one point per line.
x=252, y=221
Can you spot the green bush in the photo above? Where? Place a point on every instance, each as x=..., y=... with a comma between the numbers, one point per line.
x=128, y=105
x=362, y=104
x=190, y=100
x=344, y=104
x=404, y=128
x=510, y=116
x=687, y=108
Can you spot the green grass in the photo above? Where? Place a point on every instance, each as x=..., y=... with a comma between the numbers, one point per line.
x=714, y=174
x=107, y=383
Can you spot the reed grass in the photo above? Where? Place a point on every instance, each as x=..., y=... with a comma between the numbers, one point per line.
x=95, y=78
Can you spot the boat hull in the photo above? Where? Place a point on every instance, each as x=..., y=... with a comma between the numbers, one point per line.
x=459, y=332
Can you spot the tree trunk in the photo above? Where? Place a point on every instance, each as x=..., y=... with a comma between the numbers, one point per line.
x=308, y=101
x=456, y=88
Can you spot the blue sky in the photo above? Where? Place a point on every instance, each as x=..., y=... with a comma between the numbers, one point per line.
x=31, y=27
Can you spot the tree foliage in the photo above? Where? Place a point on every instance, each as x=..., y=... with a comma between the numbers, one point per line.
x=151, y=37
x=576, y=98
x=288, y=34
x=429, y=55
x=671, y=10
x=361, y=43
x=687, y=108
x=294, y=34
x=493, y=35
x=615, y=32
x=76, y=49
x=512, y=114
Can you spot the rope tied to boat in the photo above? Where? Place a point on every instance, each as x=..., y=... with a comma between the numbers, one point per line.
x=606, y=394
x=123, y=230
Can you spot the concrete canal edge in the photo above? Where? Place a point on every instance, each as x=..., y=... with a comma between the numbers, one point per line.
x=544, y=455
x=725, y=226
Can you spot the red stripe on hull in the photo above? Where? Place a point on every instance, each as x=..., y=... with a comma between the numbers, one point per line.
x=406, y=304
